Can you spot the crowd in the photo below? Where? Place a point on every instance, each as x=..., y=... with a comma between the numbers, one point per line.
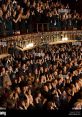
x=43, y=78
x=22, y=16
x=78, y=105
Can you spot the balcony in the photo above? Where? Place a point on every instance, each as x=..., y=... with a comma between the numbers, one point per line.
x=38, y=39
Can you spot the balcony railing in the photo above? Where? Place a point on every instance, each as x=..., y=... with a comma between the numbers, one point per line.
x=38, y=39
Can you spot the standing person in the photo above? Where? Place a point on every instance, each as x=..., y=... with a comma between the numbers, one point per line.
x=23, y=22
x=6, y=81
x=8, y=24
x=17, y=19
x=2, y=25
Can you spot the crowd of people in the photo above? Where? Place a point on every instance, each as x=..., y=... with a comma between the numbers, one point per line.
x=43, y=78
x=22, y=16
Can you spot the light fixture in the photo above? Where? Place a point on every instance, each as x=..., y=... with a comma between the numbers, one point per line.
x=64, y=39
x=30, y=45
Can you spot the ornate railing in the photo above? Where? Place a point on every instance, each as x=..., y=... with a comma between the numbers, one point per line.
x=38, y=38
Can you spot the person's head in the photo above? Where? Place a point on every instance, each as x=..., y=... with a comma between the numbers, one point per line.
x=19, y=79
x=50, y=105
x=11, y=104
x=6, y=72
x=41, y=68
x=6, y=84
x=11, y=94
x=39, y=95
x=65, y=68
x=18, y=7
x=25, y=1
x=30, y=74
x=49, y=86
x=4, y=8
x=15, y=80
x=8, y=1
x=37, y=80
x=64, y=93
x=24, y=89
x=3, y=69
x=28, y=14
x=55, y=73
x=45, y=87
x=77, y=106
x=10, y=68
x=24, y=66
x=22, y=77
x=29, y=92
x=18, y=90
x=34, y=4
x=19, y=65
